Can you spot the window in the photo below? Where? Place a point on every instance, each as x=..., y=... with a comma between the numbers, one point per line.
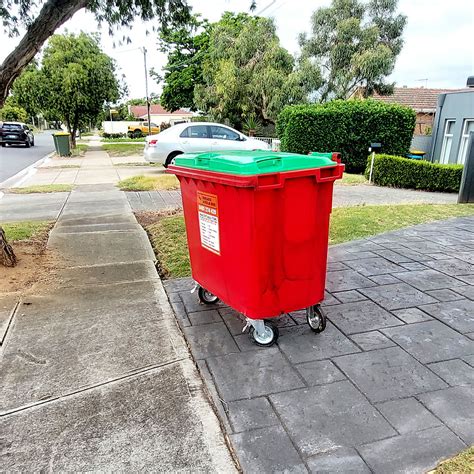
x=223, y=133
x=447, y=141
x=466, y=129
x=197, y=131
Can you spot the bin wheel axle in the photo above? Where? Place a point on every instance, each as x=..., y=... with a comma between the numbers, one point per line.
x=263, y=334
x=206, y=297
x=315, y=318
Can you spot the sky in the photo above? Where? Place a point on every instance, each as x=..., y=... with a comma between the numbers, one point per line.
x=438, y=47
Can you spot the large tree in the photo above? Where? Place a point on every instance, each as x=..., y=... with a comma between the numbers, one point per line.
x=75, y=80
x=247, y=73
x=186, y=48
x=355, y=44
x=41, y=18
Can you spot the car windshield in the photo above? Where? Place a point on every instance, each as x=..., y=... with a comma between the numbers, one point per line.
x=12, y=126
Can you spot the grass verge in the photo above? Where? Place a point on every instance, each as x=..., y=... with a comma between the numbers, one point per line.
x=43, y=188
x=149, y=183
x=168, y=233
x=349, y=179
x=123, y=149
x=463, y=463
x=27, y=230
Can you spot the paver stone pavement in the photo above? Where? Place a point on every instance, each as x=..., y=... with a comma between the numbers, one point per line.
x=387, y=387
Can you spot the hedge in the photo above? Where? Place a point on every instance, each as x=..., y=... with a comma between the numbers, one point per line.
x=347, y=126
x=402, y=172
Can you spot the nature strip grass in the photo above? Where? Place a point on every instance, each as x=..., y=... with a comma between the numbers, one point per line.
x=149, y=183
x=123, y=149
x=43, y=188
x=168, y=234
x=16, y=231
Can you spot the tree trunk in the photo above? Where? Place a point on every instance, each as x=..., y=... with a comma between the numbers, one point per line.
x=7, y=256
x=53, y=14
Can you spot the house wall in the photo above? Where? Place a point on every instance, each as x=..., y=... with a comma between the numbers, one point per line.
x=456, y=106
x=424, y=123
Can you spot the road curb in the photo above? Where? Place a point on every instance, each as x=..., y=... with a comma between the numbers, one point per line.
x=25, y=173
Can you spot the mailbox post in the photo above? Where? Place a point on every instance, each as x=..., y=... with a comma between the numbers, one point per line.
x=374, y=147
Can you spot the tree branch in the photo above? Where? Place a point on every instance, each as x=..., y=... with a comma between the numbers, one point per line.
x=53, y=14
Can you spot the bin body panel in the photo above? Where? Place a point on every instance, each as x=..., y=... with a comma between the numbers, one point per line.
x=271, y=253
x=62, y=143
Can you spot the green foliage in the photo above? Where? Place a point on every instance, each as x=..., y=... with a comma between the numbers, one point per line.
x=186, y=48
x=20, y=13
x=417, y=174
x=13, y=113
x=252, y=125
x=114, y=135
x=347, y=126
x=355, y=44
x=246, y=72
x=74, y=81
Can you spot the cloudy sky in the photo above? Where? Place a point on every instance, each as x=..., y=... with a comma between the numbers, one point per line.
x=438, y=51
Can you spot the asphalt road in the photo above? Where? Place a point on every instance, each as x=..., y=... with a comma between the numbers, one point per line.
x=15, y=158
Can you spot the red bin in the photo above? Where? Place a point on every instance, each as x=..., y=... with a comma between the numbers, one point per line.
x=257, y=228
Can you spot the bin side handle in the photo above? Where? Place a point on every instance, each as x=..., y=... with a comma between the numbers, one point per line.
x=322, y=174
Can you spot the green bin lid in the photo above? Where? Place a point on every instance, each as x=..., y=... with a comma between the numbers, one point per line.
x=253, y=162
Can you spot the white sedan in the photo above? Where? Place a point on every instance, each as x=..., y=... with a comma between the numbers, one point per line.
x=196, y=137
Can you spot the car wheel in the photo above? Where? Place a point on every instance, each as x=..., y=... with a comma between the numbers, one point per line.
x=27, y=144
x=3, y=145
x=172, y=158
x=137, y=134
x=33, y=143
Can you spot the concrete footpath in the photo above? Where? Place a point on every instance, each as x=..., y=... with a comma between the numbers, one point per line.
x=96, y=375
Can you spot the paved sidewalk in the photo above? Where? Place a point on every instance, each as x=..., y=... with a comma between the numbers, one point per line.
x=388, y=387
x=95, y=373
x=343, y=196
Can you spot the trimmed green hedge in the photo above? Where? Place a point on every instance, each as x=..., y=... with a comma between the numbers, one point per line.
x=402, y=172
x=347, y=126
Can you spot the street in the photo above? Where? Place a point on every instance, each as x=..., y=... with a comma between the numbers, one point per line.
x=15, y=158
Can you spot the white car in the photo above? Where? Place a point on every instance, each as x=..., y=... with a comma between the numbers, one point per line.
x=196, y=137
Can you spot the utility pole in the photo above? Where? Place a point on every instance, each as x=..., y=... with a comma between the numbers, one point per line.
x=146, y=90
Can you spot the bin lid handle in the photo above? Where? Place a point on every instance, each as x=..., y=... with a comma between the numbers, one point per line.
x=268, y=161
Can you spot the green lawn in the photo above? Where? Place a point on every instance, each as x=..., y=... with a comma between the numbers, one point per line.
x=463, y=463
x=123, y=149
x=80, y=150
x=43, y=188
x=16, y=231
x=349, y=179
x=168, y=234
x=149, y=183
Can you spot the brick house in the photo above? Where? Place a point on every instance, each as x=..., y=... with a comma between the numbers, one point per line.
x=422, y=100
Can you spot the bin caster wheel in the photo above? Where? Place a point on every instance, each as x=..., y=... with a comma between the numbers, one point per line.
x=315, y=318
x=267, y=338
x=206, y=297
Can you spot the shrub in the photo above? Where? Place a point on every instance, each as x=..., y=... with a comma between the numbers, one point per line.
x=12, y=113
x=402, y=172
x=347, y=126
x=114, y=135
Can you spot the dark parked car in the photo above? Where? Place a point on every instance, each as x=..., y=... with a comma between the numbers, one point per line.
x=16, y=133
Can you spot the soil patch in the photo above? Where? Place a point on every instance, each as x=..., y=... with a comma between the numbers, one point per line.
x=36, y=264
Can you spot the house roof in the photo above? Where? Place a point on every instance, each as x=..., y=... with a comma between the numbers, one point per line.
x=420, y=99
x=155, y=109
